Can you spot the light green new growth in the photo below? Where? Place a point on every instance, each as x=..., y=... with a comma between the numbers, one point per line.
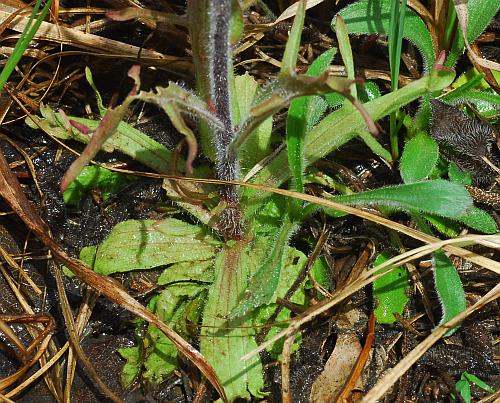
x=390, y=291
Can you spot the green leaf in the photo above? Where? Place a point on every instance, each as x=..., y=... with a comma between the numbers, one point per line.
x=268, y=219
x=320, y=273
x=419, y=158
x=132, y=367
x=448, y=287
x=446, y=226
x=463, y=387
x=187, y=271
x=368, y=92
x=237, y=22
x=342, y=34
x=373, y=17
x=143, y=244
x=294, y=263
x=128, y=140
x=293, y=43
x=98, y=97
x=439, y=197
x=374, y=145
x=223, y=343
x=479, y=220
x=303, y=114
x=342, y=125
x=264, y=283
x=161, y=361
x=478, y=382
x=160, y=354
x=94, y=177
x=256, y=147
x=458, y=176
x=480, y=12
x=390, y=291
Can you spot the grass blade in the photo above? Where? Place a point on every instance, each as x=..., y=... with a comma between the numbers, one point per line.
x=303, y=114
x=23, y=42
x=292, y=45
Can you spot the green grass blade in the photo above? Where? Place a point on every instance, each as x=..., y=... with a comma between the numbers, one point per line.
x=345, y=50
x=23, y=42
x=303, y=114
x=396, y=27
x=370, y=17
x=292, y=45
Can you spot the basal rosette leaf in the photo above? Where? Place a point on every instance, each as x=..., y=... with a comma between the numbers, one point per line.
x=438, y=197
x=144, y=244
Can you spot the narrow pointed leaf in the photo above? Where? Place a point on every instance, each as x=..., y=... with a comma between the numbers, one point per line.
x=374, y=145
x=303, y=114
x=448, y=287
x=256, y=147
x=223, y=343
x=439, y=197
x=345, y=50
x=293, y=43
x=373, y=17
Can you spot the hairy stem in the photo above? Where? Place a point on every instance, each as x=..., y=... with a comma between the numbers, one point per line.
x=213, y=62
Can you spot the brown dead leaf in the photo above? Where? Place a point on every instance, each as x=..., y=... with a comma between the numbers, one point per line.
x=330, y=383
